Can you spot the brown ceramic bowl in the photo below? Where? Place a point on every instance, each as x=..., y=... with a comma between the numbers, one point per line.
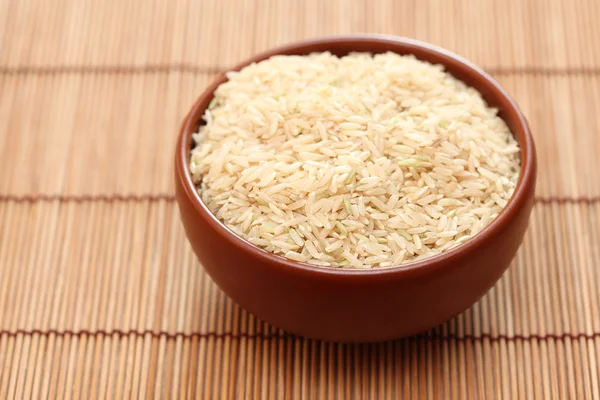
x=360, y=305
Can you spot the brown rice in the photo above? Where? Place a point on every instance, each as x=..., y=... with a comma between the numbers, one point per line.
x=359, y=161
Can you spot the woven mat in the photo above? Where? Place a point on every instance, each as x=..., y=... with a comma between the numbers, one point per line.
x=100, y=294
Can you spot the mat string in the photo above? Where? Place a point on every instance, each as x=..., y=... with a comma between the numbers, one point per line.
x=260, y=335
x=117, y=198
x=215, y=69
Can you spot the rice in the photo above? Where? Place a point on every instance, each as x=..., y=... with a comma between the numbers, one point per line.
x=361, y=161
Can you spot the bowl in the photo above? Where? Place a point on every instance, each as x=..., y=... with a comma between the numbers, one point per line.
x=360, y=305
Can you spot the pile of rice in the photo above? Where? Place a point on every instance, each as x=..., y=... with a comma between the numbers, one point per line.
x=360, y=161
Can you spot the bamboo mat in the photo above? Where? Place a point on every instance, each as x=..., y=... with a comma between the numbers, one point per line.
x=100, y=294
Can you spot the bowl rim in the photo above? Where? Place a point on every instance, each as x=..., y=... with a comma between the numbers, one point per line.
x=431, y=264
